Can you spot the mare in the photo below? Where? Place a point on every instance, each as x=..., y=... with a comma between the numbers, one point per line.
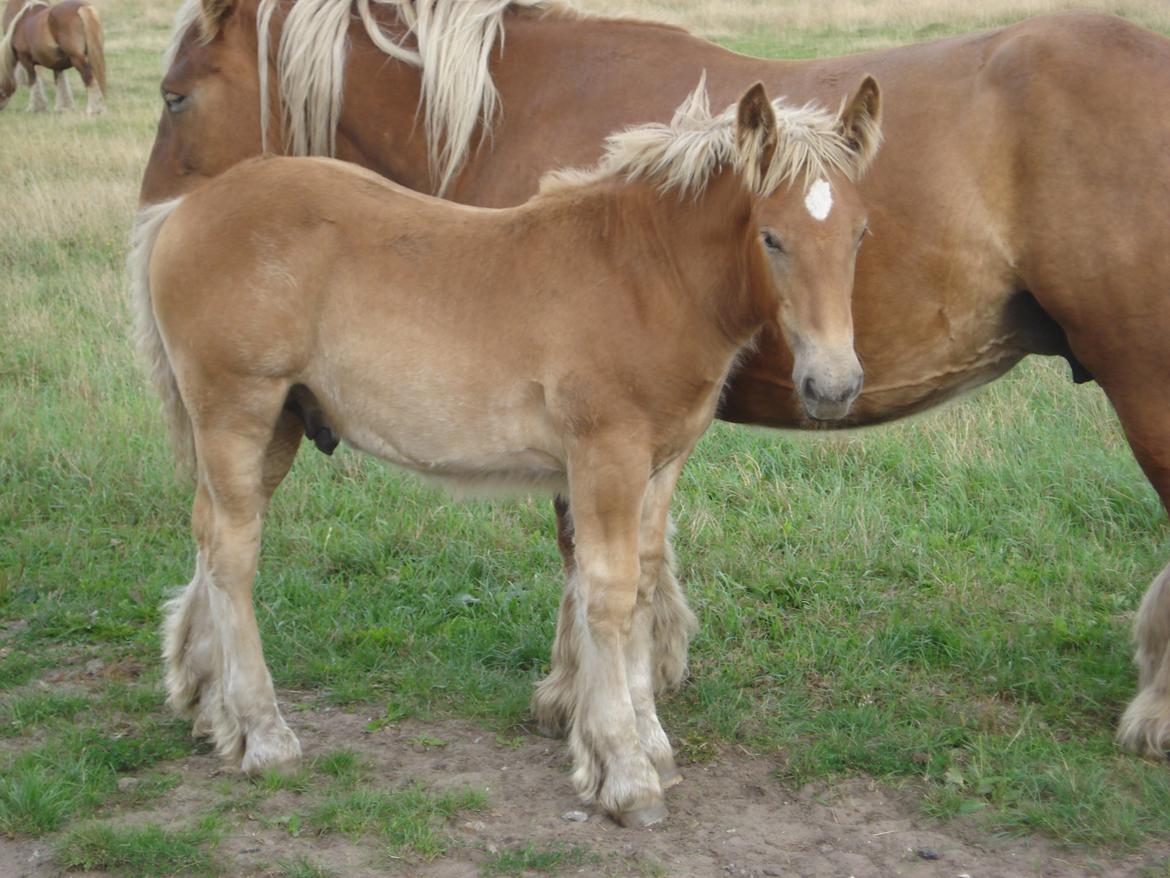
x=68, y=34
x=1017, y=207
x=578, y=342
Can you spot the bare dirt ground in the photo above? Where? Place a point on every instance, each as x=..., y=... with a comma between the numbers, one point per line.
x=730, y=817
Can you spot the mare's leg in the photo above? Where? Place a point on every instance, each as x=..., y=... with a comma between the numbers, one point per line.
x=1145, y=725
x=673, y=626
x=64, y=99
x=607, y=482
x=642, y=658
x=37, y=103
x=95, y=104
x=242, y=458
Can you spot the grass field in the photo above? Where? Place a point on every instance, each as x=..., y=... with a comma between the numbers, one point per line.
x=943, y=604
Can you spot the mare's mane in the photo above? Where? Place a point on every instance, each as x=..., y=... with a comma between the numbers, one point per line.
x=683, y=155
x=449, y=41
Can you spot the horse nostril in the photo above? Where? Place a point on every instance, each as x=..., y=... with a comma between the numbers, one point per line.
x=808, y=388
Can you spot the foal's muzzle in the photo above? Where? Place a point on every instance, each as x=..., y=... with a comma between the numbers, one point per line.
x=831, y=403
x=828, y=385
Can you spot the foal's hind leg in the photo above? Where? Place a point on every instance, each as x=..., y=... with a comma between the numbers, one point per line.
x=674, y=623
x=241, y=464
x=64, y=100
x=554, y=696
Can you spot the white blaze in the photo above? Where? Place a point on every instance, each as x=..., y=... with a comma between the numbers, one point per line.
x=819, y=200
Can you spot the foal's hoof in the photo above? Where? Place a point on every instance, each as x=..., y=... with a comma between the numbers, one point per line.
x=270, y=749
x=669, y=777
x=647, y=815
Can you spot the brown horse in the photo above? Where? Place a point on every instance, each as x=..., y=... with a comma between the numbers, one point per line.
x=1018, y=206
x=58, y=37
x=578, y=342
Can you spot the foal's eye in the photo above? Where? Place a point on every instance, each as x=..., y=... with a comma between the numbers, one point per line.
x=175, y=102
x=771, y=242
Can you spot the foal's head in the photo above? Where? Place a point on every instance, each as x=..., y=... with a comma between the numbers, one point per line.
x=802, y=164
x=780, y=182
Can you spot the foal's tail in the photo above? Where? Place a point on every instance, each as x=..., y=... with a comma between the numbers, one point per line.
x=147, y=226
x=92, y=25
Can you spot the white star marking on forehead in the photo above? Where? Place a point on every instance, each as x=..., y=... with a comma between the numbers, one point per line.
x=819, y=200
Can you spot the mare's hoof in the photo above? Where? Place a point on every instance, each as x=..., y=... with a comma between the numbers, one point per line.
x=642, y=817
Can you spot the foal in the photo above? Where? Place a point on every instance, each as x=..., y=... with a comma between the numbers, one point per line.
x=58, y=37
x=577, y=343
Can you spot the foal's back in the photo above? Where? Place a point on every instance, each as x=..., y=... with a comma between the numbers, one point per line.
x=449, y=339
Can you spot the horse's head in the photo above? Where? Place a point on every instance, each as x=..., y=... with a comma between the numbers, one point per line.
x=811, y=221
x=210, y=95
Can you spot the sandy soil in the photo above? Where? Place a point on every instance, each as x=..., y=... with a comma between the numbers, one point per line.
x=730, y=817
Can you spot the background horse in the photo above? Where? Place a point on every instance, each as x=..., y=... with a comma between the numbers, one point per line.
x=1017, y=208
x=541, y=345
x=58, y=37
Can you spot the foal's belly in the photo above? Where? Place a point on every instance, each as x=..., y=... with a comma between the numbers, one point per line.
x=472, y=439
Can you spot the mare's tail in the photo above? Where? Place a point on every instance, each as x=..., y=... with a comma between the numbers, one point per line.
x=94, y=53
x=147, y=226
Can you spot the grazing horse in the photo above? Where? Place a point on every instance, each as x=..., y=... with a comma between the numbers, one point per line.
x=1018, y=206
x=578, y=342
x=58, y=37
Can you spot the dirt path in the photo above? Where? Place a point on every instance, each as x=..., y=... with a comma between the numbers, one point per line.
x=729, y=818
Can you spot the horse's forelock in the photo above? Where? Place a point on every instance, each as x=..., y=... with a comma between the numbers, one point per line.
x=684, y=154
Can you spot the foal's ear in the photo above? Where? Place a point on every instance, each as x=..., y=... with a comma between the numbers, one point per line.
x=860, y=122
x=212, y=14
x=755, y=133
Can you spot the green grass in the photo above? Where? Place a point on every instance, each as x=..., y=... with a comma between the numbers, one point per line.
x=408, y=820
x=944, y=602
x=528, y=859
x=144, y=852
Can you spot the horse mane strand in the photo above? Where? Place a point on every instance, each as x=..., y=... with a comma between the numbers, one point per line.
x=683, y=154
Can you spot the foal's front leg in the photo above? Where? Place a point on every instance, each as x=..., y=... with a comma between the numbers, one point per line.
x=607, y=482
x=643, y=658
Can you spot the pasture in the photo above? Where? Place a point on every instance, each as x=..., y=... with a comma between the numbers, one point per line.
x=913, y=636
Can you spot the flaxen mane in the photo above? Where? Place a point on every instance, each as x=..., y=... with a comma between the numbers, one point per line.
x=684, y=154
x=449, y=41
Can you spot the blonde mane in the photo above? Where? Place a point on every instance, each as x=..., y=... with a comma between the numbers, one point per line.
x=450, y=42
x=683, y=155
x=7, y=52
